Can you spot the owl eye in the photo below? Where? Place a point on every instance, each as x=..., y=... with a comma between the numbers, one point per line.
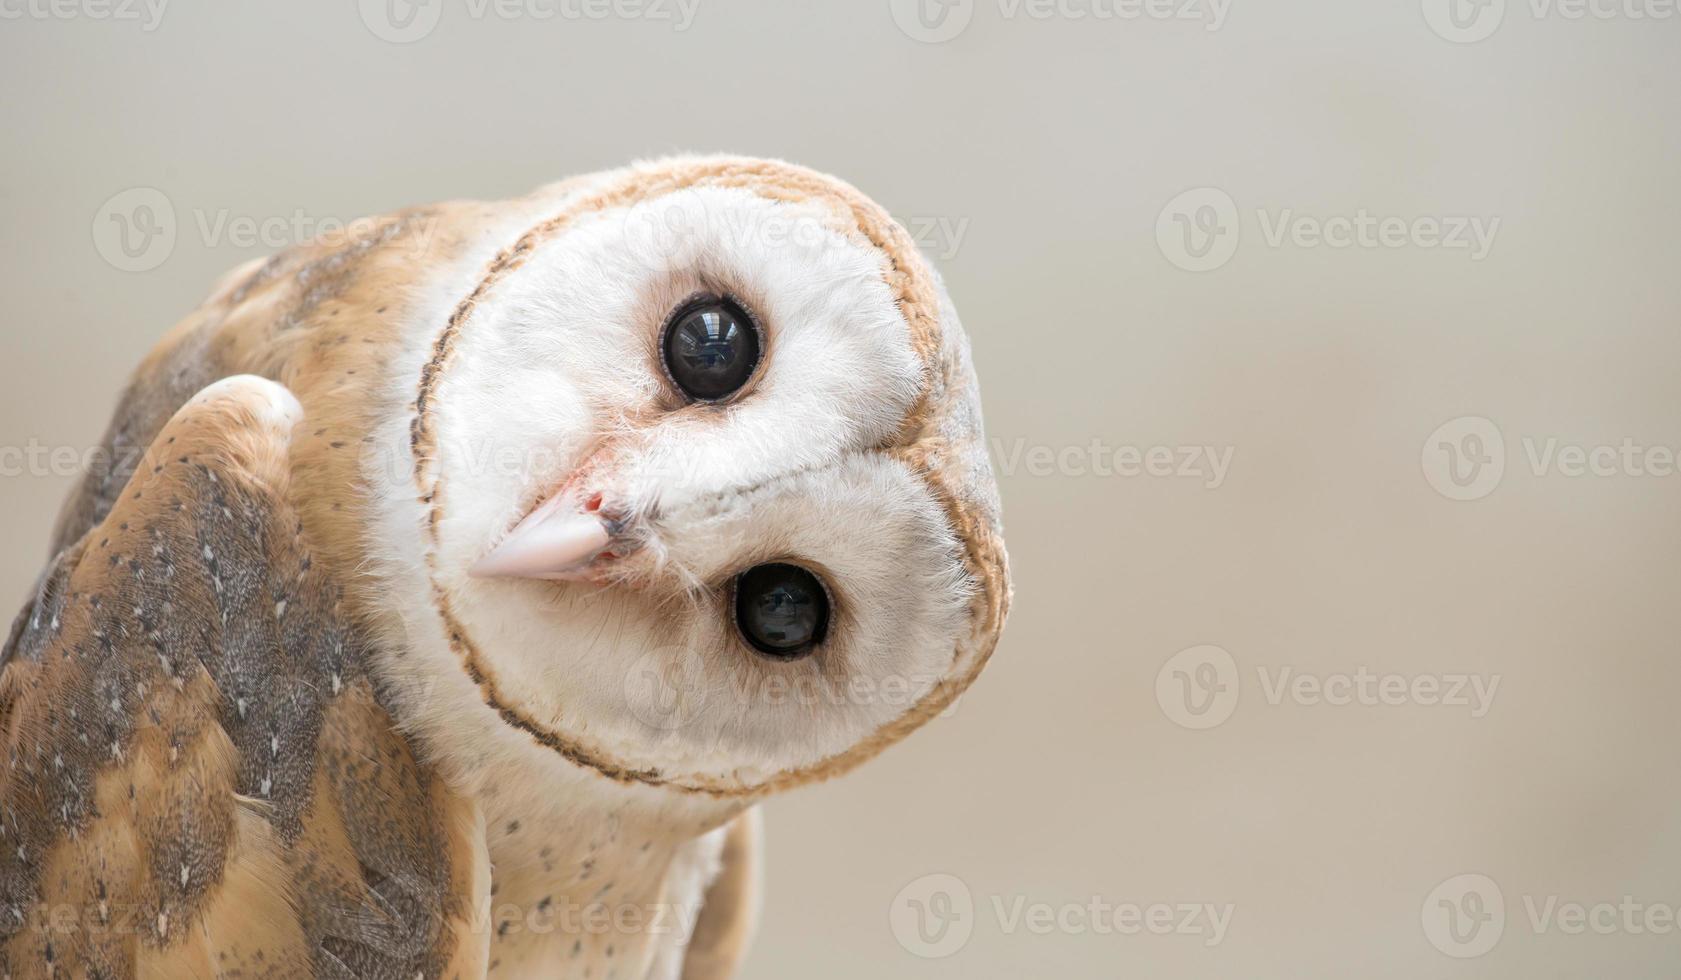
x=710, y=349
x=782, y=610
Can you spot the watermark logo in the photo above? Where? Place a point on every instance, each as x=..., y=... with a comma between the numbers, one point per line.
x=1465, y=458
x=407, y=21
x=932, y=21
x=1470, y=21
x=666, y=688
x=596, y=920
x=135, y=230
x=937, y=21
x=933, y=916
x=1198, y=687
x=1464, y=21
x=1464, y=916
x=1198, y=231
x=401, y=21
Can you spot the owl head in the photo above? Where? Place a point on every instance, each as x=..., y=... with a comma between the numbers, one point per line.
x=699, y=498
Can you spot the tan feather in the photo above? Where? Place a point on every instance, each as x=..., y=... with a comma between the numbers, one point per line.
x=192, y=788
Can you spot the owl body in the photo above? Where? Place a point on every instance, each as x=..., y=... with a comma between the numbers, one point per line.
x=598, y=516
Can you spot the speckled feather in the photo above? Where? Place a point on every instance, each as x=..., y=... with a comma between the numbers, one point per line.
x=199, y=779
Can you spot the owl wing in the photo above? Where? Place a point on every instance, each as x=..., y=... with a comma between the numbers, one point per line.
x=197, y=778
x=731, y=910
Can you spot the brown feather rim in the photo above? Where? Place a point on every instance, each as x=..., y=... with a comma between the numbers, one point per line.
x=906, y=274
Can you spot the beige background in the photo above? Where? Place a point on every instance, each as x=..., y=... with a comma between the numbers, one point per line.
x=1054, y=144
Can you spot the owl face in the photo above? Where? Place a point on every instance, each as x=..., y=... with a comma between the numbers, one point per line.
x=702, y=479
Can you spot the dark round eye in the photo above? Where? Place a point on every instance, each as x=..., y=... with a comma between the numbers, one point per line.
x=711, y=349
x=782, y=610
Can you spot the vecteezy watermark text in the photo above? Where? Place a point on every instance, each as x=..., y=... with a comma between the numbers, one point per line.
x=1208, y=464
x=600, y=919
x=406, y=21
x=1200, y=230
x=1467, y=915
x=1199, y=688
x=1469, y=21
x=147, y=13
x=669, y=688
x=1466, y=459
x=137, y=230
x=937, y=21
x=935, y=916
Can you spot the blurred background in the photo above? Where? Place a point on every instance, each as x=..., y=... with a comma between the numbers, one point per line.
x=1330, y=354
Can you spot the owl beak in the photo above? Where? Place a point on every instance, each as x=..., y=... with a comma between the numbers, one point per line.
x=558, y=541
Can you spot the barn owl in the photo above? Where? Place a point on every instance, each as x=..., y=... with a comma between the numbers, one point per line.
x=450, y=593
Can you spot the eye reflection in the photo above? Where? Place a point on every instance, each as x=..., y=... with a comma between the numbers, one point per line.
x=711, y=350
x=782, y=610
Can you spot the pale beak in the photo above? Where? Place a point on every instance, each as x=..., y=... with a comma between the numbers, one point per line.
x=558, y=541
